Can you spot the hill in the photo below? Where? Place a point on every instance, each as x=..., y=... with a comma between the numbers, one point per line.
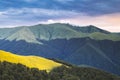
x=29, y=61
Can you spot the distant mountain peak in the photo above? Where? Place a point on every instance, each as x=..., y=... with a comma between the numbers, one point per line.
x=93, y=28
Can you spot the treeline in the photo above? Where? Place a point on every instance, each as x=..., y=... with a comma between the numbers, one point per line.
x=10, y=71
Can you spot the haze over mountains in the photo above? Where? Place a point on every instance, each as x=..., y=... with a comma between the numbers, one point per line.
x=88, y=46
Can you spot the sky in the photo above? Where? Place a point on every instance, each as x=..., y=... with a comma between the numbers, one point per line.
x=104, y=14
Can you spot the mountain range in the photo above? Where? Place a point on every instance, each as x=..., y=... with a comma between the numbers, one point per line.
x=81, y=46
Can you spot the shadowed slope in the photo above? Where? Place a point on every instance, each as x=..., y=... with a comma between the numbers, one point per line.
x=78, y=51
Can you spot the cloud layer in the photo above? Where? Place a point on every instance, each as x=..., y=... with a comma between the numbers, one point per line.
x=90, y=7
x=13, y=16
x=102, y=13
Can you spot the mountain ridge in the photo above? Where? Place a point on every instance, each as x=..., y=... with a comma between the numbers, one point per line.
x=55, y=31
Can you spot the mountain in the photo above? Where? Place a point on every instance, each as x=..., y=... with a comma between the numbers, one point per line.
x=88, y=46
x=29, y=61
x=55, y=31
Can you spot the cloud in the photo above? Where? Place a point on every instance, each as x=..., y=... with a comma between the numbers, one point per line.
x=64, y=1
x=29, y=16
x=90, y=7
x=108, y=22
x=15, y=16
x=37, y=12
x=30, y=0
x=101, y=13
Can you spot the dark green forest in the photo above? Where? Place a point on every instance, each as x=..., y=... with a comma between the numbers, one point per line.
x=11, y=71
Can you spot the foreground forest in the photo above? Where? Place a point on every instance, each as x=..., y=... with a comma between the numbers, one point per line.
x=11, y=71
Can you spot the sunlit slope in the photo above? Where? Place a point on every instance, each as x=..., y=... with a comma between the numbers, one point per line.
x=29, y=61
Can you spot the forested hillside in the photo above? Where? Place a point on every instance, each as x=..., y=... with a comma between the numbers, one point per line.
x=10, y=71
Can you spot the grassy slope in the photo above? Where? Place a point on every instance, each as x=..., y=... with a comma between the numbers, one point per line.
x=102, y=36
x=29, y=61
x=62, y=31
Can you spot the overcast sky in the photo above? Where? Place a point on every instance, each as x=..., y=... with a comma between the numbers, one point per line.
x=101, y=13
